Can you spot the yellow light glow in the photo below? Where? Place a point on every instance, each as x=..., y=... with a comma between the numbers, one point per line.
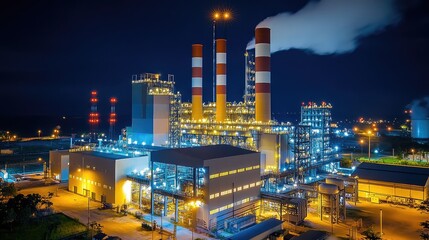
x=126, y=189
x=226, y=15
x=216, y=15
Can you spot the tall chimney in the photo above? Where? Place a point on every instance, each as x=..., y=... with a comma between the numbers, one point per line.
x=263, y=75
x=197, y=81
x=220, y=80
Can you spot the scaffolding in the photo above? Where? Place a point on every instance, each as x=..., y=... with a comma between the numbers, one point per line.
x=302, y=150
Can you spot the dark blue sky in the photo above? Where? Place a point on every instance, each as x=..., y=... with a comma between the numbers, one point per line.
x=52, y=54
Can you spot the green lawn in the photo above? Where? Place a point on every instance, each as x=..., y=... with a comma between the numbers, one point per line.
x=395, y=160
x=38, y=229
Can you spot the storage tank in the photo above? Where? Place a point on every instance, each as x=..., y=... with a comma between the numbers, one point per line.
x=338, y=182
x=327, y=188
x=420, y=119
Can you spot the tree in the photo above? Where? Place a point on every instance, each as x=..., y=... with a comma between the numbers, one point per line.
x=424, y=233
x=8, y=190
x=369, y=234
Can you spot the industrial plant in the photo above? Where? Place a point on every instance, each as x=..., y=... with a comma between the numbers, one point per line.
x=229, y=163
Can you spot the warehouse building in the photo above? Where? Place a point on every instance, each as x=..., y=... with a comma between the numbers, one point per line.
x=393, y=183
x=98, y=175
x=225, y=180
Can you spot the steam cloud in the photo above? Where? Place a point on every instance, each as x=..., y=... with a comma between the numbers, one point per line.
x=420, y=109
x=329, y=26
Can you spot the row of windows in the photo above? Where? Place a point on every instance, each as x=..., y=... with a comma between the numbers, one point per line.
x=237, y=189
x=216, y=210
x=216, y=175
x=90, y=182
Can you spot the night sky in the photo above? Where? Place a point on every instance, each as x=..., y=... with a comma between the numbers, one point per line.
x=53, y=53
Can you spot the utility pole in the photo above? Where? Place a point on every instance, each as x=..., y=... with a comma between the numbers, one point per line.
x=381, y=222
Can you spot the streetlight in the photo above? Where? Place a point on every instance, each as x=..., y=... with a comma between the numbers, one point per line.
x=39, y=132
x=412, y=151
x=217, y=16
x=369, y=145
x=361, y=147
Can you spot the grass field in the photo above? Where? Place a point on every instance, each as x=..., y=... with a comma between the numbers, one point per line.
x=396, y=161
x=39, y=229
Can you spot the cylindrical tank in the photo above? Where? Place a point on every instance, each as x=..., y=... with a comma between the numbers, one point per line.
x=327, y=188
x=338, y=182
x=420, y=128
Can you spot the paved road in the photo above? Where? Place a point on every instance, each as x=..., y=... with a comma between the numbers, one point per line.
x=114, y=224
x=399, y=222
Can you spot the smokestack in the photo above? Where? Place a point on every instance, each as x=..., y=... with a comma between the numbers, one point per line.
x=220, y=80
x=263, y=75
x=197, y=81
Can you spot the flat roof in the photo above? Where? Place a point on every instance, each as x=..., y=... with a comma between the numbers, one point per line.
x=106, y=155
x=195, y=156
x=257, y=229
x=312, y=235
x=392, y=173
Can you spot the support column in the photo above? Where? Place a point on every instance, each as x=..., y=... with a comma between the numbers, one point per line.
x=140, y=196
x=176, y=210
x=165, y=206
x=152, y=205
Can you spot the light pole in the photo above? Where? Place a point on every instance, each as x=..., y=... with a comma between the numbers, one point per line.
x=412, y=152
x=381, y=222
x=361, y=147
x=39, y=132
x=369, y=145
x=216, y=17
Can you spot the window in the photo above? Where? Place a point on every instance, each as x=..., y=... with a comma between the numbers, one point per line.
x=233, y=172
x=239, y=189
x=214, y=211
x=216, y=195
x=249, y=168
x=223, y=208
x=214, y=175
x=252, y=185
x=211, y=196
x=104, y=186
x=256, y=167
x=246, y=186
x=223, y=174
x=241, y=170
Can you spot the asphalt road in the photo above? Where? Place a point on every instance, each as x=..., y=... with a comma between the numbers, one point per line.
x=114, y=224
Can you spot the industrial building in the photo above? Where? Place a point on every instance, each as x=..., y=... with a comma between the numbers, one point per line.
x=160, y=117
x=392, y=183
x=98, y=175
x=224, y=180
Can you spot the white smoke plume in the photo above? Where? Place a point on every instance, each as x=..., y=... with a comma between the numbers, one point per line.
x=420, y=109
x=329, y=26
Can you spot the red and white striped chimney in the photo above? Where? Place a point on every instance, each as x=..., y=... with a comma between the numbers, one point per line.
x=197, y=81
x=263, y=75
x=220, y=80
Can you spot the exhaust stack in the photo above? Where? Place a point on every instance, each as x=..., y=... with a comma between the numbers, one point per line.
x=263, y=75
x=220, y=80
x=197, y=81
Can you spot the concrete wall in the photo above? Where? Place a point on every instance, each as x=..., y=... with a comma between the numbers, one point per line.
x=246, y=185
x=95, y=174
x=276, y=149
x=123, y=186
x=58, y=163
x=384, y=190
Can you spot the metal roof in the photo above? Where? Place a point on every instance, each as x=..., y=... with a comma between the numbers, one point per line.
x=257, y=229
x=105, y=155
x=392, y=173
x=195, y=156
x=312, y=235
